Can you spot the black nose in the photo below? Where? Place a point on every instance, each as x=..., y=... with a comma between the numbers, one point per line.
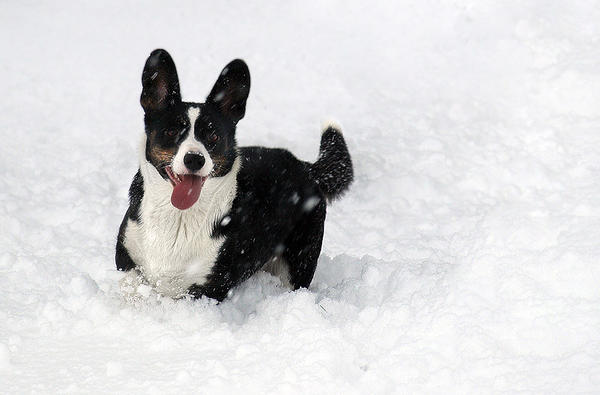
x=193, y=161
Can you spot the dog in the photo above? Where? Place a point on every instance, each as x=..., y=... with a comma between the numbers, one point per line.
x=205, y=214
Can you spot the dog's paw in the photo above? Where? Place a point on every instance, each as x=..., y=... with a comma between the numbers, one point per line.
x=134, y=287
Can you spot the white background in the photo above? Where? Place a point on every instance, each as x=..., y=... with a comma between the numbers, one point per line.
x=465, y=258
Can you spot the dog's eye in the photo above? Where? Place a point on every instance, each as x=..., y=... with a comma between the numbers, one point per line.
x=213, y=137
x=171, y=133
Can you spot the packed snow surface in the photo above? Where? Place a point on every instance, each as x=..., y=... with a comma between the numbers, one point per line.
x=465, y=258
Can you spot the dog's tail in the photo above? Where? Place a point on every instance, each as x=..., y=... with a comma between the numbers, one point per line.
x=333, y=169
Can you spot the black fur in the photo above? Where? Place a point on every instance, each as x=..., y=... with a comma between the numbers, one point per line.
x=333, y=170
x=136, y=193
x=160, y=83
x=269, y=217
x=279, y=209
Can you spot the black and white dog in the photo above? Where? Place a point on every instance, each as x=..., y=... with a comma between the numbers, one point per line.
x=204, y=214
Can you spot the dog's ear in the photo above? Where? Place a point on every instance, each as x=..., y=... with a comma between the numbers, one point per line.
x=160, y=85
x=231, y=90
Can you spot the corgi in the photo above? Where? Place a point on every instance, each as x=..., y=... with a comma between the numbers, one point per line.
x=205, y=214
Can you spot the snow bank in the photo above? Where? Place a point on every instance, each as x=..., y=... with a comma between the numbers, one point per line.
x=464, y=259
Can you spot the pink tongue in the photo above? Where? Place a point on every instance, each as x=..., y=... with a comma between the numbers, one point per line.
x=186, y=193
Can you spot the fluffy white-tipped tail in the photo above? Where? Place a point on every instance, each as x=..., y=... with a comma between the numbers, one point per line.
x=330, y=123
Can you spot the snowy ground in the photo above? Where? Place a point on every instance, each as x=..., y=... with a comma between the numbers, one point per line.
x=466, y=257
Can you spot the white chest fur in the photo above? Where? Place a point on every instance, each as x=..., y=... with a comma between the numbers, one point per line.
x=172, y=248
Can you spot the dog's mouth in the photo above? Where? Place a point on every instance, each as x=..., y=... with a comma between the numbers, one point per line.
x=186, y=188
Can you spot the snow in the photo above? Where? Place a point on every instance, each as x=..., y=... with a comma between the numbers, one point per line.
x=464, y=259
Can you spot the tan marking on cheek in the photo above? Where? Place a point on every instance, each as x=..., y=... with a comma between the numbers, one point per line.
x=159, y=154
x=162, y=155
x=219, y=162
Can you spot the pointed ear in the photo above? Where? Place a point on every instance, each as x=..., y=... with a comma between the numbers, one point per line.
x=231, y=90
x=160, y=85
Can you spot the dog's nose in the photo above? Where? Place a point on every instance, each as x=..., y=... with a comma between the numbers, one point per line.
x=193, y=161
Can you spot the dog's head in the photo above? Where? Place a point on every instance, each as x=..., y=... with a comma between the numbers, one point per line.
x=189, y=142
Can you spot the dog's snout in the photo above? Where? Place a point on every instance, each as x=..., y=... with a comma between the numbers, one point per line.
x=193, y=161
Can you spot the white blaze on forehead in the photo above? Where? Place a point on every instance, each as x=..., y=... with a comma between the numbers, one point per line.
x=190, y=144
x=193, y=113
